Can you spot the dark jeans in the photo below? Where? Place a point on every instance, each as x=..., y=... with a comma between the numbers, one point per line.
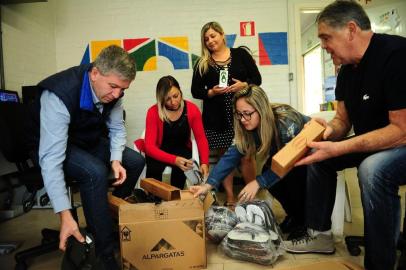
x=91, y=169
x=155, y=169
x=290, y=192
x=380, y=175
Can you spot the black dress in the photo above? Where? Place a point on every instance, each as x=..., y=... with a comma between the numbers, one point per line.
x=217, y=111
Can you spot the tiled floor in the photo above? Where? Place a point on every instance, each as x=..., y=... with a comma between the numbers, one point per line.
x=26, y=228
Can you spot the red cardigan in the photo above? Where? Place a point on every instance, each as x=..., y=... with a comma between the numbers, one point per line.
x=154, y=134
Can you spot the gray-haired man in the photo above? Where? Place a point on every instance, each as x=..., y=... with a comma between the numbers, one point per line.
x=372, y=99
x=79, y=132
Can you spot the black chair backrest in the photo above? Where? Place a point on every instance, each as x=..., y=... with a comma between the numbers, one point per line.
x=12, y=141
x=30, y=93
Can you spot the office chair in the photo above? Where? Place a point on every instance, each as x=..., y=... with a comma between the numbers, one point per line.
x=353, y=244
x=13, y=148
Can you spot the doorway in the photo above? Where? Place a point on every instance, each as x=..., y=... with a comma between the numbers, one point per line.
x=304, y=37
x=313, y=78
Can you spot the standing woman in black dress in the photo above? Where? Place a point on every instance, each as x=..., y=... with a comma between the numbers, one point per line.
x=239, y=69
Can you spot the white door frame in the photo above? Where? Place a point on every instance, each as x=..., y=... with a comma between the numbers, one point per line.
x=295, y=53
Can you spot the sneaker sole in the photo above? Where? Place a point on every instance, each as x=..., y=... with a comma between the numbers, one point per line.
x=310, y=252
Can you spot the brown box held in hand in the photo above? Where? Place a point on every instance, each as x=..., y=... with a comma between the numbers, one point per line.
x=283, y=161
x=162, y=190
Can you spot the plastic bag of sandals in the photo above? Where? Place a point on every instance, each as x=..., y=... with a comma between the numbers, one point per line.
x=258, y=212
x=257, y=237
x=251, y=242
x=219, y=220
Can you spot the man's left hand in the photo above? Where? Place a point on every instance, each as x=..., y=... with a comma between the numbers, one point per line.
x=120, y=173
x=320, y=151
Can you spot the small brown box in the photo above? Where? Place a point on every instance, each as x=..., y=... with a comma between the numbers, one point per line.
x=162, y=190
x=285, y=159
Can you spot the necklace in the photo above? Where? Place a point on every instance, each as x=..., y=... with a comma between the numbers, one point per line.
x=226, y=53
x=220, y=65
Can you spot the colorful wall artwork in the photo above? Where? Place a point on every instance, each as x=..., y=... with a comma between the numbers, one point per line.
x=143, y=51
x=176, y=49
x=272, y=48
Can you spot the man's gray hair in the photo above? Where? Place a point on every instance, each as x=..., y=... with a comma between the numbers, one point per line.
x=340, y=12
x=114, y=59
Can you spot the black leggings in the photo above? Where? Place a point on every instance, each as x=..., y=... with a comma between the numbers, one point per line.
x=155, y=169
x=291, y=193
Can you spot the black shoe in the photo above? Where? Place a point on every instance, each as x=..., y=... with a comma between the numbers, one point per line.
x=298, y=232
x=109, y=263
x=289, y=224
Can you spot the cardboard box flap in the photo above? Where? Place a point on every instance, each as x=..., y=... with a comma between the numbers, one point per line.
x=180, y=209
x=114, y=203
x=186, y=195
x=207, y=201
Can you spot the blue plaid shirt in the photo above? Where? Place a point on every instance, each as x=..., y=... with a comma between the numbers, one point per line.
x=231, y=159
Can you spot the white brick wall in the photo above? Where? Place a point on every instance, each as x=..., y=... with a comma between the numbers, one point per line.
x=79, y=22
x=59, y=41
x=28, y=43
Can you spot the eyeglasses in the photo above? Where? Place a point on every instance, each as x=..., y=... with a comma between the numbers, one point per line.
x=245, y=115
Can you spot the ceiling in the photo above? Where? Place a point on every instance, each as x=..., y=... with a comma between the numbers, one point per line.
x=6, y=2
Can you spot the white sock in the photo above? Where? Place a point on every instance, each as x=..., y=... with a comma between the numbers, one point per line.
x=315, y=233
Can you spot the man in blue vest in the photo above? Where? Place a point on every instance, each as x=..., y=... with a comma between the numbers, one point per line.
x=79, y=133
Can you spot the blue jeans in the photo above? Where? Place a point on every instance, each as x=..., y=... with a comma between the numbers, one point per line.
x=91, y=168
x=380, y=174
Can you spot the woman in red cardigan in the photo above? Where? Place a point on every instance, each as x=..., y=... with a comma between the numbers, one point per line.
x=168, y=134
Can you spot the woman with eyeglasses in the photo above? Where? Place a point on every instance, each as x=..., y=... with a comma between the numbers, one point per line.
x=220, y=72
x=168, y=134
x=261, y=129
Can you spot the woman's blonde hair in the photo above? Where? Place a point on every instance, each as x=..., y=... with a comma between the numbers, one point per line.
x=267, y=129
x=204, y=61
x=162, y=89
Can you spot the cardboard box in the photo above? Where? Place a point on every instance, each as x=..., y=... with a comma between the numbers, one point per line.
x=160, y=189
x=114, y=203
x=170, y=235
x=283, y=161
